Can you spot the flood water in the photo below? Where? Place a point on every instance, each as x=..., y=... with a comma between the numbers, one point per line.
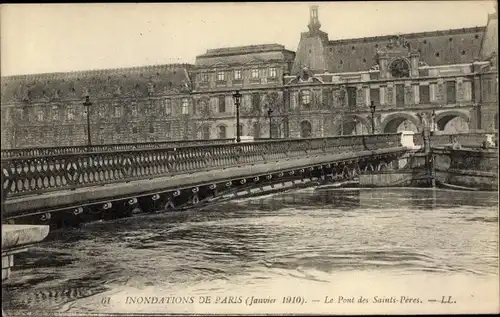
x=307, y=243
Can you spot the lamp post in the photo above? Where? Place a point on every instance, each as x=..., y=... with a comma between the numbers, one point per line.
x=237, y=101
x=87, y=104
x=372, y=110
x=269, y=113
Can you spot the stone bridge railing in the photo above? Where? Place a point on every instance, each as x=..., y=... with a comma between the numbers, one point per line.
x=36, y=174
x=474, y=139
x=43, y=151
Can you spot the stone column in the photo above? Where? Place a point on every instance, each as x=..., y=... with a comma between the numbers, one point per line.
x=416, y=93
x=467, y=87
x=382, y=95
x=390, y=94
x=359, y=96
x=414, y=59
x=408, y=93
x=432, y=92
x=367, y=95
x=459, y=87
x=383, y=59
x=440, y=93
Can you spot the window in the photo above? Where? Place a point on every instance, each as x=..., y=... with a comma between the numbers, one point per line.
x=256, y=130
x=351, y=96
x=305, y=129
x=451, y=93
x=400, y=68
x=221, y=132
x=55, y=113
x=102, y=111
x=256, y=102
x=118, y=129
x=134, y=129
x=168, y=128
x=275, y=131
x=151, y=127
x=204, y=77
x=375, y=95
x=400, y=94
x=306, y=97
x=272, y=72
x=327, y=97
x=255, y=73
x=424, y=94
x=167, y=105
x=205, y=132
x=185, y=105
x=134, y=110
x=118, y=111
x=221, y=76
x=222, y=104
x=70, y=115
x=237, y=74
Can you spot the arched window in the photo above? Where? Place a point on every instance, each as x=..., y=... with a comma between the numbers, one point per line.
x=205, y=131
x=305, y=129
x=400, y=68
x=221, y=132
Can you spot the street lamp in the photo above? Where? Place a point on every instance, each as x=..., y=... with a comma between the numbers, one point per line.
x=269, y=113
x=372, y=110
x=237, y=101
x=87, y=104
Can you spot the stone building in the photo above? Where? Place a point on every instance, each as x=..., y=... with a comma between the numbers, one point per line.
x=442, y=79
x=446, y=80
x=257, y=72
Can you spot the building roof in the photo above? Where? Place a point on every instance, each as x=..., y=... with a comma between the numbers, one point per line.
x=436, y=48
x=102, y=83
x=241, y=55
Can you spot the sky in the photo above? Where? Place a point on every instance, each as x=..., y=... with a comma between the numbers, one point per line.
x=41, y=38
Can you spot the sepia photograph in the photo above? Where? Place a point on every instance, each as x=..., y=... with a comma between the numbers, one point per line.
x=249, y=158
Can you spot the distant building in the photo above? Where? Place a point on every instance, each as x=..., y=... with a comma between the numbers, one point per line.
x=443, y=79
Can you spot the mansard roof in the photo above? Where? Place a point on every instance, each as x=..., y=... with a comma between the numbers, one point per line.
x=436, y=48
x=102, y=83
x=244, y=55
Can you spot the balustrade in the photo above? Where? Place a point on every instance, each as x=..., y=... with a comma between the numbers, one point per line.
x=57, y=170
x=42, y=151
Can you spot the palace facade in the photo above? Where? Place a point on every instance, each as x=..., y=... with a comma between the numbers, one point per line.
x=446, y=80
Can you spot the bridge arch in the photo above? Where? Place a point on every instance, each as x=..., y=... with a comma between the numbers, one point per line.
x=352, y=124
x=452, y=121
x=394, y=123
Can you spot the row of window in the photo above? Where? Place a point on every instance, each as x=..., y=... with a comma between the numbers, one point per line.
x=237, y=74
x=424, y=94
x=424, y=97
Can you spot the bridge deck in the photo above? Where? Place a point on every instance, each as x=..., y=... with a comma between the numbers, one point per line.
x=16, y=205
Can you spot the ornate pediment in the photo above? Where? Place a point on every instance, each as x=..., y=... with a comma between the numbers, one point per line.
x=396, y=46
x=220, y=64
x=253, y=61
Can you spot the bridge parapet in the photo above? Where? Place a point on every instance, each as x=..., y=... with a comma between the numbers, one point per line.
x=42, y=151
x=473, y=139
x=44, y=173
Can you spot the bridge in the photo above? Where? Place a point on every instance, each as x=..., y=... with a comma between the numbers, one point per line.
x=67, y=185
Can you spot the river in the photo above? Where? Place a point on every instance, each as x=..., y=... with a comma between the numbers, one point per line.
x=312, y=245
